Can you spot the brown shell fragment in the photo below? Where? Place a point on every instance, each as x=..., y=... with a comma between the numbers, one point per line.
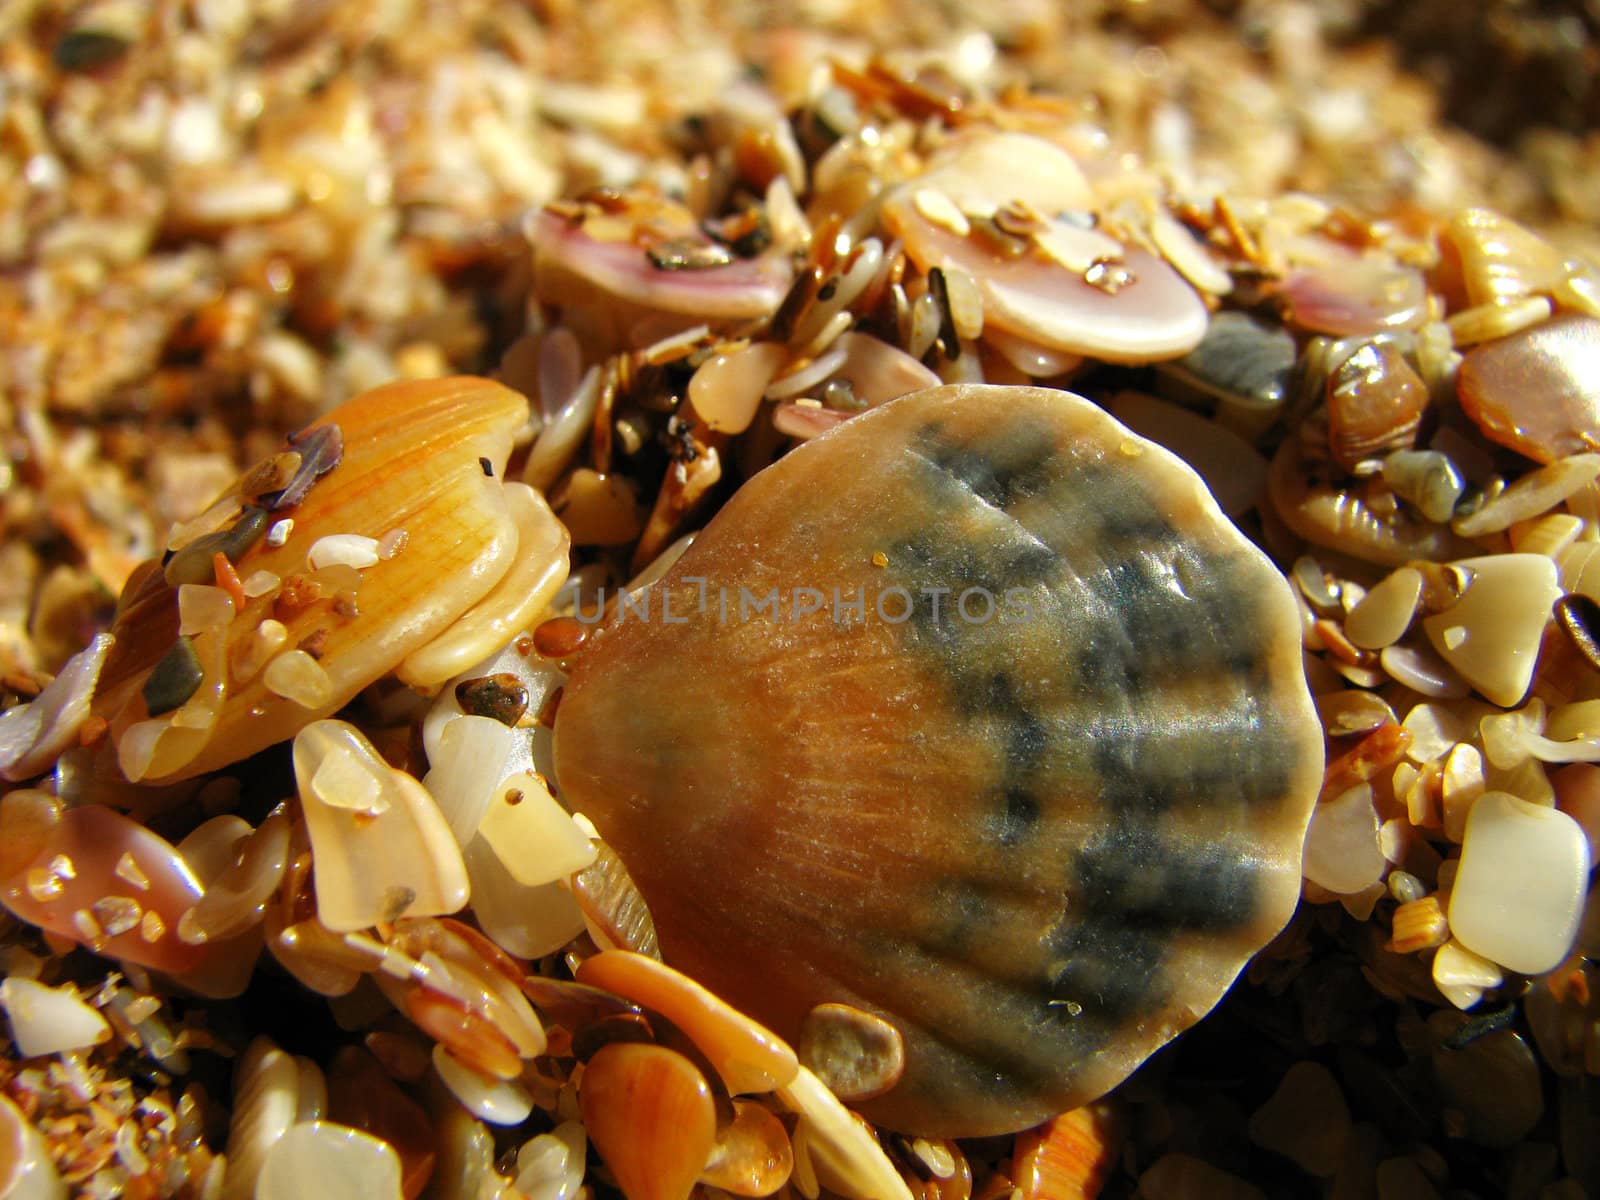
x=1032, y=790
x=1375, y=402
x=1538, y=391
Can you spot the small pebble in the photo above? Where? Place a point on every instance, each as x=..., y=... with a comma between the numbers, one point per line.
x=1306, y=1120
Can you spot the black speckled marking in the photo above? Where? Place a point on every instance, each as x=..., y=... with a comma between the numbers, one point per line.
x=1012, y=819
x=1136, y=875
x=1011, y=465
x=1112, y=971
x=1148, y=766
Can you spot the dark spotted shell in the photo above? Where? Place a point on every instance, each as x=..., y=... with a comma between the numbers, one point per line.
x=1041, y=843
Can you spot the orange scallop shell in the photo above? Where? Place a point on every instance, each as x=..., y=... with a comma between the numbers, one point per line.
x=974, y=713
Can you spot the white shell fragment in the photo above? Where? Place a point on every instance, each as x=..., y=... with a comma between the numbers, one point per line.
x=349, y=549
x=841, y=1146
x=321, y=1158
x=1491, y=635
x=266, y=1096
x=497, y=1101
x=529, y=922
x=26, y=1170
x=373, y=863
x=1519, y=892
x=1462, y=976
x=33, y=734
x=1342, y=849
x=49, y=1020
x=467, y=766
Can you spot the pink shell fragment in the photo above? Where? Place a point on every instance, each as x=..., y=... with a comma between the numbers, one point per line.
x=109, y=883
x=743, y=289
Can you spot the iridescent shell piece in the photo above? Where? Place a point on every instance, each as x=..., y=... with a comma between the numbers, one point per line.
x=976, y=714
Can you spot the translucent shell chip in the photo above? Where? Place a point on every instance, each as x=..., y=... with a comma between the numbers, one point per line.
x=1042, y=287
x=974, y=714
x=422, y=478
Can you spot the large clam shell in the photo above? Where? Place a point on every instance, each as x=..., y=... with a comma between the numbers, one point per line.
x=1040, y=844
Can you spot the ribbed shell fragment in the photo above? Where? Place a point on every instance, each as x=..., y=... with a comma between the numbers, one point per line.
x=1120, y=824
x=478, y=558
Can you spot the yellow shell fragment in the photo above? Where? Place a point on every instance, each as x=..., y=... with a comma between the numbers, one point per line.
x=382, y=848
x=533, y=835
x=425, y=459
x=536, y=573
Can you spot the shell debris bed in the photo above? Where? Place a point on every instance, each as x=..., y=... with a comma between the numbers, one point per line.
x=685, y=601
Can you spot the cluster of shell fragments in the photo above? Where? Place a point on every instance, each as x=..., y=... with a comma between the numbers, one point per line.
x=916, y=603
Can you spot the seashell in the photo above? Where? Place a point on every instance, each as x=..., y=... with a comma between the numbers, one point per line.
x=1150, y=312
x=1425, y=479
x=1485, y=322
x=836, y=1147
x=726, y=389
x=49, y=1020
x=878, y=372
x=613, y=911
x=1242, y=361
x=1419, y=925
x=466, y=1150
x=551, y=1166
x=266, y=1090
x=1491, y=635
x=528, y=921
x=1031, y=934
x=746, y=1056
x=425, y=458
x=320, y=1157
x=1341, y=850
x=649, y=1113
x=1383, y=615
x=32, y=735
x=1070, y=1156
x=1537, y=391
x=1341, y=520
x=1535, y=493
x=1500, y=259
x=1375, y=403
x=1462, y=977
x=1232, y=468
x=28, y=819
x=382, y=848
x=236, y=898
x=1493, y=1081
x=752, y=1155
x=1519, y=892
x=465, y=991
x=497, y=1101
x=107, y=882
x=362, y=1096
x=1355, y=297
x=27, y=1171
x=606, y=284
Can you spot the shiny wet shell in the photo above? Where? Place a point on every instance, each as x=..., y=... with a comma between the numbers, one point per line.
x=1040, y=837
